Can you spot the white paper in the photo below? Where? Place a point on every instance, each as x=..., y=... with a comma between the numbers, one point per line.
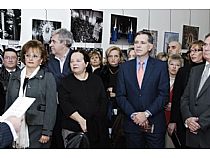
x=18, y=108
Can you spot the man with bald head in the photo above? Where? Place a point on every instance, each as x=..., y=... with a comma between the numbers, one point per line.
x=174, y=47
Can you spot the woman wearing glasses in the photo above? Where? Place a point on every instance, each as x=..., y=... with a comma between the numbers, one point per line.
x=33, y=81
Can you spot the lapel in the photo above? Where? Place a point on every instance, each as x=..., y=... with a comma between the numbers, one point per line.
x=148, y=72
x=205, y=86
x=66, y=66
x=134, y=72
x=197, y=76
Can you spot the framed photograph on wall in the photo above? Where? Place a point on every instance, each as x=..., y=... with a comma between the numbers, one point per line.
x=42, y=30
x=87, y=25
x=10, y=24
x=168, y=37
x=155, y=37
x=189, y=35
x=122, y=29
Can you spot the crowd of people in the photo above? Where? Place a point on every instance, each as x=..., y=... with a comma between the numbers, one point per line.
x=141, y=102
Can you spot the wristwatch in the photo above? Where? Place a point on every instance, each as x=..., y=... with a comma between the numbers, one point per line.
x=146, y=114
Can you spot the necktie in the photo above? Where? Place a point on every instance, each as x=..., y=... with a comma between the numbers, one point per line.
x=204, y=77
x=140, y=74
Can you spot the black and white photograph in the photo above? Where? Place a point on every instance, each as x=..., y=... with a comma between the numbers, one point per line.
x=122, y=30
x=42, y=30
x=10, y=24
x=155, y=37
x=190, y=34
x=168, y=37
x=87, y=25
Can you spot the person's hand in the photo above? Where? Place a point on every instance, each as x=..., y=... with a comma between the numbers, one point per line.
x=15, y=121
x=193, y=125
x=145, y=124
x=44, y=139
x=83, y=124
x=139, y=118
x=168, y=107
x=171, y=128
x=111, y=94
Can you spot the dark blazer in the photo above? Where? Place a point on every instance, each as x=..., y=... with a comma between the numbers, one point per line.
x=192, y=106
x=4, y=79
x=6, y=137
x=153, y=95
x=2, y=99
x=53, y=66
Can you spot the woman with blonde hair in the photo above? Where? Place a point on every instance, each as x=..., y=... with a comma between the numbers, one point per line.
x=109, y=74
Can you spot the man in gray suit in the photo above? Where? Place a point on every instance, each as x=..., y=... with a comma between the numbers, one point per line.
x=195, y=105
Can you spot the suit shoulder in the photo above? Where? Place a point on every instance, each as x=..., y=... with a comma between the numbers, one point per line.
x=127, y=63
x=198, y=67
x=157, y=61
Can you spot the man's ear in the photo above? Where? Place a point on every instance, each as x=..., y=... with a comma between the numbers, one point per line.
x=150, y=46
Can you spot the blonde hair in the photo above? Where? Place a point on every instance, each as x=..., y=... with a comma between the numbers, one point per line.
x=176, y=57
x=111, y=49
x=161, y=56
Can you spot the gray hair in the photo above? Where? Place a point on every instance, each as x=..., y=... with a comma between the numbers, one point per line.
x=64, y=36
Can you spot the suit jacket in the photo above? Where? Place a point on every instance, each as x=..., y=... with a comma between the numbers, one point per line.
x=193, y=106
x=42, y=87
x=152, y=96
x=53, y=66
x=2, y=99
x=4, y=79
x=6, y=137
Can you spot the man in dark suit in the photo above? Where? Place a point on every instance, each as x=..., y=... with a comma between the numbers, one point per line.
x=195, y=105
x=10, y=61
x=143, y=102
x=8, y=129
x=59, y=66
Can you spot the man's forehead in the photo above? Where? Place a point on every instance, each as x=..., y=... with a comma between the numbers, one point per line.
x=173, y=44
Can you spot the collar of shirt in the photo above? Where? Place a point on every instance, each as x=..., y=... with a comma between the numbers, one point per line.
x=10, y=70
x=62, y=60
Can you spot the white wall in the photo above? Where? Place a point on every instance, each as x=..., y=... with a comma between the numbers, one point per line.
x=157, y=19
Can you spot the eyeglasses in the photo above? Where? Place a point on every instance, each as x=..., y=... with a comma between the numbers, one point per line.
x=206, y=44
x=196, y=50
x=10, y=58
x=34, y=56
